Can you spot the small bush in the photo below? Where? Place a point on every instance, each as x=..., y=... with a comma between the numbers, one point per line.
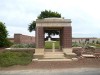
x=75, y=44
x=4, y=42
x=9, y=58
x=23, y=46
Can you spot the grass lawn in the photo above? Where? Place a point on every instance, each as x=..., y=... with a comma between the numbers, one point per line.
x=9, y=58
x=48, y=45
x=96, y=45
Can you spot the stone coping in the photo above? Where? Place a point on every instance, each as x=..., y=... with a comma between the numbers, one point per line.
x=76, y=47
x=52, y=60
x=50, y=41
x=19, y=48
x=53, y=20
x=88, y=55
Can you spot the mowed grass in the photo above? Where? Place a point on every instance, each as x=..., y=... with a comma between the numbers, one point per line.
x=96, y=45
x=9, y=58
x=48, y=45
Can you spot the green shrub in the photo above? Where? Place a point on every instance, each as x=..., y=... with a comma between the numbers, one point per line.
x=30, y=45
x=8, y=43
x=23, y=46
x=9, y=58
x=75, y=44
x=4, y=42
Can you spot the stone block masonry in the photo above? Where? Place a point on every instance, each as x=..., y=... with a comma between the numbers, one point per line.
x=19, y=39
x=67, y=37
x=39, y=37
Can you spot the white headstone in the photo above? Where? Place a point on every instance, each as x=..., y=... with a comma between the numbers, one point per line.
x=49, y=39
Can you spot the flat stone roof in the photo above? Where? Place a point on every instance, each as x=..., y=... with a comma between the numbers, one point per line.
x=53, y=20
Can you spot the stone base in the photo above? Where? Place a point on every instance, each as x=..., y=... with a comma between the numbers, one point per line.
x=68, y=53
x=67, y=50
x=39, y=50
x=38, y=56
x=39, y=53
x=70, y=56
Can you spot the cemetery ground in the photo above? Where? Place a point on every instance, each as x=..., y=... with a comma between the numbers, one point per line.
x=19, y=60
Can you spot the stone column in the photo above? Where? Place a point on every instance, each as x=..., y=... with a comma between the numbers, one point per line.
x=61, y=41
x=39, y=41
x=67, y=39
x=39, y=37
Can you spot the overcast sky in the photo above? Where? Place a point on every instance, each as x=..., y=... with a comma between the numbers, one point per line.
x=85, y=15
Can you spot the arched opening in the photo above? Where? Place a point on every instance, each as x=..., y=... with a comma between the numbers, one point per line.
x=52, y=37
x=63, y=26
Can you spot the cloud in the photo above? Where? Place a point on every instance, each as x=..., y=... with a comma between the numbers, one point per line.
x=17, y=30
x=85, y=14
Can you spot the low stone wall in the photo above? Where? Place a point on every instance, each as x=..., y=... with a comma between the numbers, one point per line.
x=19, y=38
x=79, y=50
x=21, y=49
x=97, y=50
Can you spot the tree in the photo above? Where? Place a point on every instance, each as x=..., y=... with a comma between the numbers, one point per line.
x=93, y=41
x=4, y=42
x=97, y=42
x=45, y=14
x=48, y=14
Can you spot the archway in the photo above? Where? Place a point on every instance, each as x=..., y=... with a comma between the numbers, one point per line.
x=63, y=25
x=50, y=40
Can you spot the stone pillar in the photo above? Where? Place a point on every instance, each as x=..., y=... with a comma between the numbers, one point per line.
x=39, y=37
x=39, y=51
x=61, y=41
x=67, y=39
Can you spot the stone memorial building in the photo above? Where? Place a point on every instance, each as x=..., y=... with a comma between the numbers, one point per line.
x=63, y=25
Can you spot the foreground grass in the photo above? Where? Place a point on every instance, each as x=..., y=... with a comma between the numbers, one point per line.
x=48, y=45
x=8, y=58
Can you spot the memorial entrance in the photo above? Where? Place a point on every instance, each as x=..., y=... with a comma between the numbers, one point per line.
x=52, y=44
x=60, y=24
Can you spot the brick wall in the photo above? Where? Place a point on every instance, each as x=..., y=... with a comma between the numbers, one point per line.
x=11, y=39
x=67, y=37
x=19, y=38
x=39, y=37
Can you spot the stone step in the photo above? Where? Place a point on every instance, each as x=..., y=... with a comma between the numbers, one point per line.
x=54, y=55
x=53, y=52
x=56, y=59
x=88, y=55
x=52, y=60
